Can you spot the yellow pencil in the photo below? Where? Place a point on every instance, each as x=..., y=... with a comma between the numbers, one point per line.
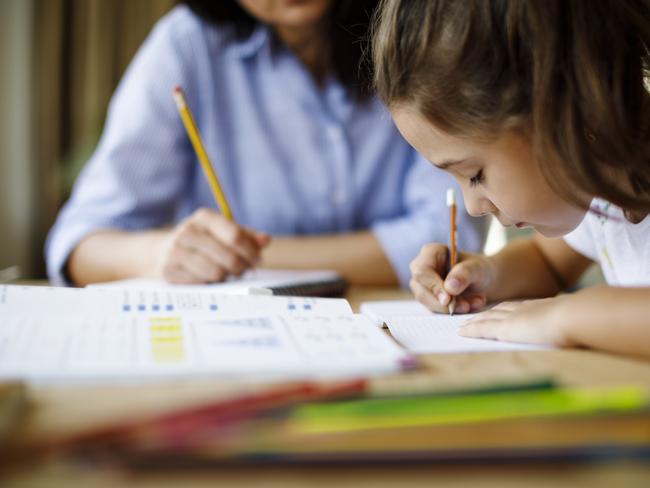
x=199, y=148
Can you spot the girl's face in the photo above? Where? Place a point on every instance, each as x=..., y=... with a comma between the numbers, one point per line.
x=287, y=13
x=498, y=177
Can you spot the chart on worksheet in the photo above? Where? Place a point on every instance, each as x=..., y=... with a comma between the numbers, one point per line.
x=54, y=333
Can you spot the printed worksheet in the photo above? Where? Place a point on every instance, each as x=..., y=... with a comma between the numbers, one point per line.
x=49, y=333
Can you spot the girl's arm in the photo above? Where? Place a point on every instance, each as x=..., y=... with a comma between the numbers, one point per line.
x=525, y=268
x=602, y=317
x=533, y=268
x=607, y=318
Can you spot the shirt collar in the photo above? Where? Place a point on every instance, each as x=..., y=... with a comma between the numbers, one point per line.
x=250, y=46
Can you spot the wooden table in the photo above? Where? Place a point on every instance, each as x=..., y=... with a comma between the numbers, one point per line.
x=62, y=410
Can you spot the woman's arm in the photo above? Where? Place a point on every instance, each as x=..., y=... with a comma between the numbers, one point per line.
x=111, y=255
x=189, y=254
x=357, y=256
x=203, y=248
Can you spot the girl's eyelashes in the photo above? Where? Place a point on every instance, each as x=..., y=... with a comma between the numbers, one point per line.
x=477, y=179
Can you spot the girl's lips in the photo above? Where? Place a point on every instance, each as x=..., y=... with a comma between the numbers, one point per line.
x=520, y=225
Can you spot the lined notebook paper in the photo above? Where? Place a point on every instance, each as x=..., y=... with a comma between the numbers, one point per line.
x=422, y=331
x=61, y=334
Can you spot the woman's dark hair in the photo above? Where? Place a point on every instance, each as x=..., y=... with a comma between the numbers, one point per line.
x=349, y=25
x=571, y=74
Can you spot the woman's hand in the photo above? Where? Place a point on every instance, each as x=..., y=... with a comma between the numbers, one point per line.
x=531, y=321
x=206, y=247
x=468, y=281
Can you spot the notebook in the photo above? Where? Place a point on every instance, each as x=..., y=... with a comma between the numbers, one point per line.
x=259, y=281
x=421, y=331
x=51, y=334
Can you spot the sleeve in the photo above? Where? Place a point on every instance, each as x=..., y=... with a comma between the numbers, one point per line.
x=426, y=218
x=142, y=163
x=581, y=240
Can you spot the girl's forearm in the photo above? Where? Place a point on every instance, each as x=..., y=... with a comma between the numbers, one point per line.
x=608, y=318
x=521, y=271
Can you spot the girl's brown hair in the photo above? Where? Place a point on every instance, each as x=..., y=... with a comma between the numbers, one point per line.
x=573, y=74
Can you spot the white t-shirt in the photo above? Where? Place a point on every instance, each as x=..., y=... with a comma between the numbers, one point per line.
x=620, y=247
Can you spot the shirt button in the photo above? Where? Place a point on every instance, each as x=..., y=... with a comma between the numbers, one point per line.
x=334, y=133
x=339, y=197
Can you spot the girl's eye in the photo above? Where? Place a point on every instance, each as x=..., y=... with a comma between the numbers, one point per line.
x=477, y=179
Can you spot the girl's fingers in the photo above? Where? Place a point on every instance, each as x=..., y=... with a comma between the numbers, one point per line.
x=504, y=330
x=476, y=302
x=485, y=329
x=426, y=297
x=492, y=314
x=432, y=256
x=463, y=275
x=431, y=281
x=507, y=306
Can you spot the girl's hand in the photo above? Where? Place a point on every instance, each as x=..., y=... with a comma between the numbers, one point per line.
x=206, y=247
x=530, y=321
x=468, y=281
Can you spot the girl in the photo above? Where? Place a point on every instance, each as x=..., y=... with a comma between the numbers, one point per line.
x=541, y=111
x=302, y=149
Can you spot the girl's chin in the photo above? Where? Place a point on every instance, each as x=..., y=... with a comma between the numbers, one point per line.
x=552, y=232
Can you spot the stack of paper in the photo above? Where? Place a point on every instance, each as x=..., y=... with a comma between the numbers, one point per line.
x=58, y=333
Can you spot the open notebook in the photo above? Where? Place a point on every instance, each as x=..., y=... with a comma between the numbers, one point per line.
x=49, y=333
x=259, y=281
x=422, y=331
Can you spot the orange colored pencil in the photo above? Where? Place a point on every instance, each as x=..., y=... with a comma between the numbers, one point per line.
x=451, y=203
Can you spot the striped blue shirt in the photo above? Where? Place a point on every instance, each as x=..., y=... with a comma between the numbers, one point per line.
x=293, y=157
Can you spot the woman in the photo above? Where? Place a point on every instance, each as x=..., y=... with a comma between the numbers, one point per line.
x=303, y=151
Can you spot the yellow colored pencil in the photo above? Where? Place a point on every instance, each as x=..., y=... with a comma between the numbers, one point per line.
x=199, y=148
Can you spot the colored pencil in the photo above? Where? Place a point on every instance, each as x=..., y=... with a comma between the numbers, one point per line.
x=201, y=153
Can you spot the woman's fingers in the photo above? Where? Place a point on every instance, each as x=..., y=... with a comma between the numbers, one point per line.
x=206, y=247
x=232, y=236
x=200, y=266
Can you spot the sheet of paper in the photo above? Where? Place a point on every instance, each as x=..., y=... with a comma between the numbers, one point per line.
x=15, y=300
x=251, y=282
x=79, y=334
x=438, y=333
x=381, y=310
x=422, y=331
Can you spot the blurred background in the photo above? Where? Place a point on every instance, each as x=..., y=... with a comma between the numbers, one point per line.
x=60, y=62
